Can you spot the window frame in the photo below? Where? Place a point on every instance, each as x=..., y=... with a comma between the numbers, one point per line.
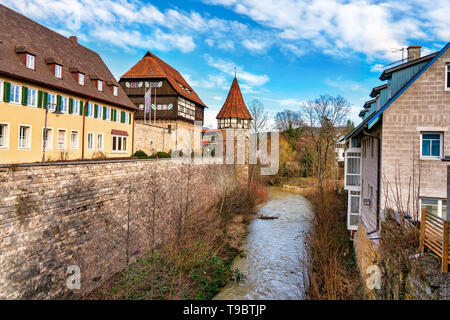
x=100, y=134
x=81, y=79
x=99, y=85
x=78, y=139
x=29, y=136
x=76, y=103
x=65, y=139
x=49, y=146
x=440, y=213
x=58, y=67
x=64, y=103
x=108, y=114
x=121, y=138
x=5, y=146
x=19, y=93
x=115, y=91
x=33, y=60
x=100, y=112
x=93, y=141
x=90, y=108
x=1, y=90
x=441, y=146
x=51, y=97
x=29, y=104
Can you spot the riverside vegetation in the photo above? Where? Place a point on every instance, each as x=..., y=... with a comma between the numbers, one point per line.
x=199, y=263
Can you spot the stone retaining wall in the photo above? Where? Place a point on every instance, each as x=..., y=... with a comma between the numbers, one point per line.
x=95, y=216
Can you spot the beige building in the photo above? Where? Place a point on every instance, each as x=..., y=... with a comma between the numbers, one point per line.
x=399, y=156
x=58, y=99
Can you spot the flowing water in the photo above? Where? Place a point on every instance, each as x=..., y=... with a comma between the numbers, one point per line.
x=274, y=249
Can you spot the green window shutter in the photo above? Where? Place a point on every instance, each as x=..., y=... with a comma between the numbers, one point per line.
x=70, y=105
x=7, y=92
x=81, y=108
x=113, y=115
x=104, y=113
x=40, y=93
x=96, y=111
x=24, y=96
x=129, y=118
x=122, y=117
x=58, y=102
x=45, y=100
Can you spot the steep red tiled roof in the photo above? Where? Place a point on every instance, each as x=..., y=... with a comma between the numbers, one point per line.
x=234, y=106
x=18, y=34
x=150, y=66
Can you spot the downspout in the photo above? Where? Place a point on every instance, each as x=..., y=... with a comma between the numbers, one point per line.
x=132, y=136
x=84, y=128
x=378, y=180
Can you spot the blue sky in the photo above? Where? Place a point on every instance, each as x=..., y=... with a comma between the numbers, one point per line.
x=285, y=51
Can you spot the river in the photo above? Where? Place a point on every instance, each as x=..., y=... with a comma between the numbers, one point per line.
x=274, y=249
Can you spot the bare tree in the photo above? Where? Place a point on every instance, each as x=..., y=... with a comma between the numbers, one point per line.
x=288, y=119
x=322, y=118
x=260, y=116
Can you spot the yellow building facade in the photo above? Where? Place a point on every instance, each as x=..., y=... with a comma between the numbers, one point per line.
x=58, y=99
x=85, y=129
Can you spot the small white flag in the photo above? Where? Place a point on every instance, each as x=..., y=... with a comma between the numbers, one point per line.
x=148, y=97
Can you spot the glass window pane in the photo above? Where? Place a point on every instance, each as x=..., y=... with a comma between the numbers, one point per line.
x=354, y=205
x=353, y=165
x=425, y=147
x=432, y=136
x=354, y=219
x=435, y=148
x=430, y=205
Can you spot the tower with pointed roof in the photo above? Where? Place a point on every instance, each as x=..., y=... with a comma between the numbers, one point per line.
x=234, y=113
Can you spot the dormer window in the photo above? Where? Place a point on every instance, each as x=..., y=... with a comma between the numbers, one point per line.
x=115, y=91
x=81, y=79
x=58, y=71
x=99, y=85
x=30, y=61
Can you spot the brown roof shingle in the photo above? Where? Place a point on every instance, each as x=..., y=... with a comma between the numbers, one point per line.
x=17, y=32
x=150, y=66
x=234, y=106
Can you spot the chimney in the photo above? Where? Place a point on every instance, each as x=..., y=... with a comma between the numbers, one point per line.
x=413, y=52
x=74, y=39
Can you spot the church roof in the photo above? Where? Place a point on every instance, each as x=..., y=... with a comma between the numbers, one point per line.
x=152, y=67
x=234, y=106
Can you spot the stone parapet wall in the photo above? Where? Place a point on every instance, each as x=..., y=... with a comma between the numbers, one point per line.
x=95, y=216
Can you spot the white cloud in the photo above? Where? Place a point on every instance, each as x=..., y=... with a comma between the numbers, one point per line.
x=255, y=45
x=377, y=68
x=370, y=27
x=228, y=68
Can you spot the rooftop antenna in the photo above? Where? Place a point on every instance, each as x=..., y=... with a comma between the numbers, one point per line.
x=403, y=50
x=403, y=53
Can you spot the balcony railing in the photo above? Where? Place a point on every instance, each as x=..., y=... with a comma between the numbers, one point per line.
x=434, y=234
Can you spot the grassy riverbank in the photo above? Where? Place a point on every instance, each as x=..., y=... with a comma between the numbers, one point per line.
x=332, y=268
x=199, y=264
